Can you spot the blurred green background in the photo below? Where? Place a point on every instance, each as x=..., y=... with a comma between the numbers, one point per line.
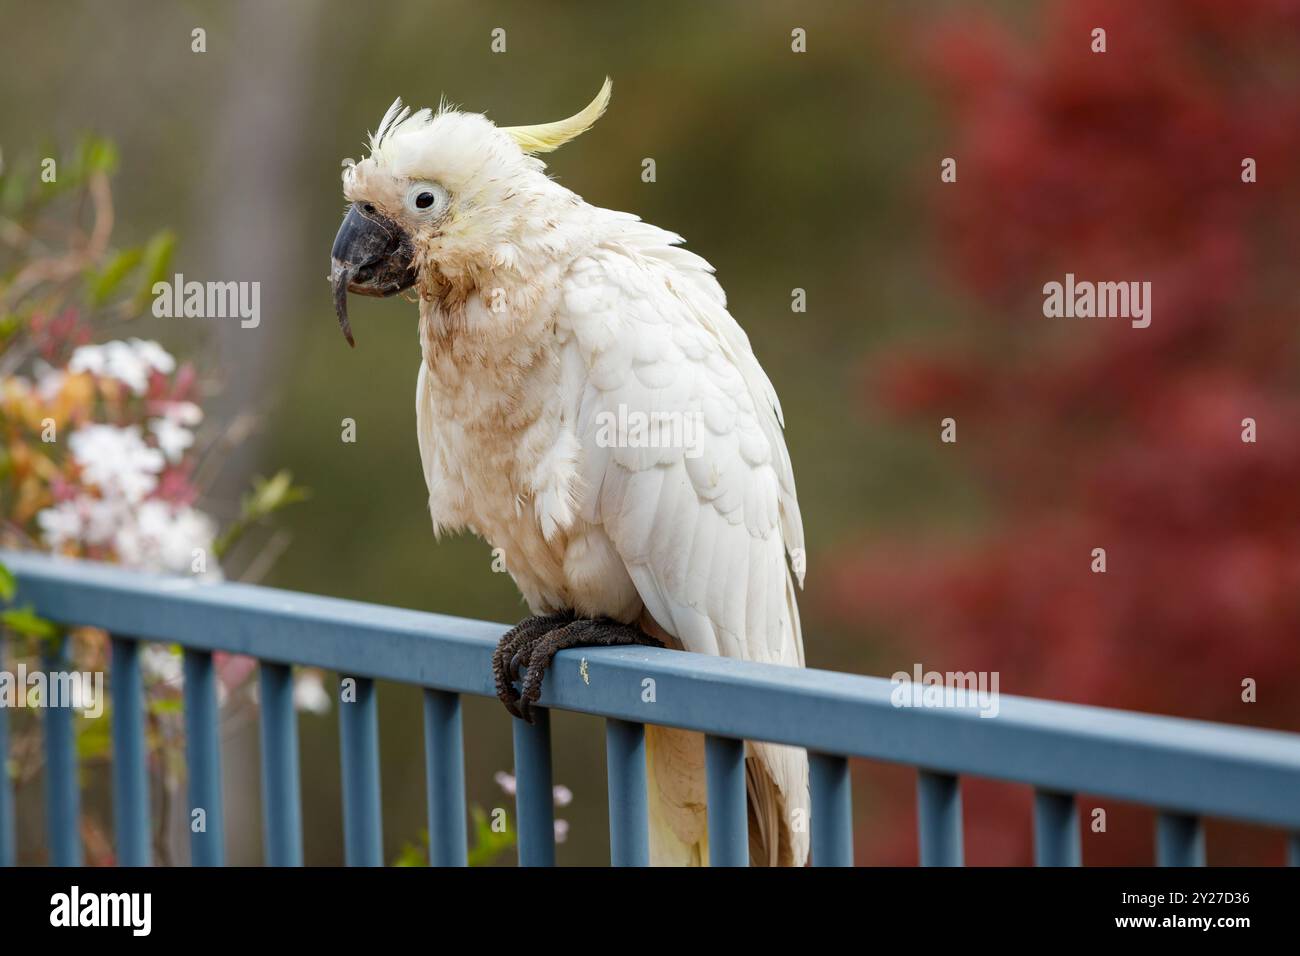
x=784, y=170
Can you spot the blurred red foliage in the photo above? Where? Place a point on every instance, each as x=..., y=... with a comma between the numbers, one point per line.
x=1088, y=433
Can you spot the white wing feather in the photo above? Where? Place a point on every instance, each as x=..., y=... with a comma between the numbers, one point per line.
x=704, y=535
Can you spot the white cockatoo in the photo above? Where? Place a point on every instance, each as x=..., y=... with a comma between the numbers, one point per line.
x=587, y=405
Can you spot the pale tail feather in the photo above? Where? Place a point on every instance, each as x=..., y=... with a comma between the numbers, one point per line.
x=778, y=825
x=776, y=779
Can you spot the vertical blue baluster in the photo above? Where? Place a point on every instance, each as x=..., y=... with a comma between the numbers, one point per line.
x=62, y=786
x=629, y=817
x=728, y=810
x=832, y=810
x=938, y=798
x=444, y=773
x=8, y=847
x=203, y=756
x=363, y=833
x=281, y=803
x=1293, y=850
x=534, y=796
x=1180, y=840
x=1056, y=830
x=130, y=767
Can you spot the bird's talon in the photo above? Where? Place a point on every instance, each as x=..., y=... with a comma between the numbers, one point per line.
x=518, y=663
x=513, y=655
x=529, y=647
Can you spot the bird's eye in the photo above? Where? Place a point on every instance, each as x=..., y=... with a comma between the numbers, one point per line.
x=427, y=199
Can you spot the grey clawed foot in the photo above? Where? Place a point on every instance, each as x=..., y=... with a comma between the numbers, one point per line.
x=506, y=658
x=533, y=644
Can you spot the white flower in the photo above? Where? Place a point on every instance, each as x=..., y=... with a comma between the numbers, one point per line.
x=309, y=693
x=561, y=830
x=100, y=519
x=164, y=537
x=83, y=520
x=117, y=460
x=154, y=355
x=49, y=381
x=88, y=358
x=151, y=535
x=505, y=781
x=129, y=362
x=563, y=795
x=173, y=438
x=183, y=413
x=162, y=664
x=60, y=524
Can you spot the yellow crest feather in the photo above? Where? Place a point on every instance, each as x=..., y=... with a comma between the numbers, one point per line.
x=545, y=137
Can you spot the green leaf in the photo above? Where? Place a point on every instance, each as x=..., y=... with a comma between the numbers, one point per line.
x=100, y=156
x=93, y=154
x=94, y=739
x=156, y=262
x=8, y=584
x=10, y=324
x=271, y=495
x=414, y=854
x=13, y=192
x=165, y=705
x=488, y=843
x=411, y=855
x=26, y=622
x=267, y=497
x=104, y=282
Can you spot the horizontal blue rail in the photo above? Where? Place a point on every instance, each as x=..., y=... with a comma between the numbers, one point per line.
x=1185, y=769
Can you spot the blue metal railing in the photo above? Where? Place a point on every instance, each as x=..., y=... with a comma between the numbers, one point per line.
x=1185, y=769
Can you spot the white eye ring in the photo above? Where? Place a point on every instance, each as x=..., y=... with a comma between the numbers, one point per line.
x=427, y=200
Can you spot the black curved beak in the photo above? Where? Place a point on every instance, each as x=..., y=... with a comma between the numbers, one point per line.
x=372, y=255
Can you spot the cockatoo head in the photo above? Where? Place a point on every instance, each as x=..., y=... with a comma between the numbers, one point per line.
x=442, y=200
